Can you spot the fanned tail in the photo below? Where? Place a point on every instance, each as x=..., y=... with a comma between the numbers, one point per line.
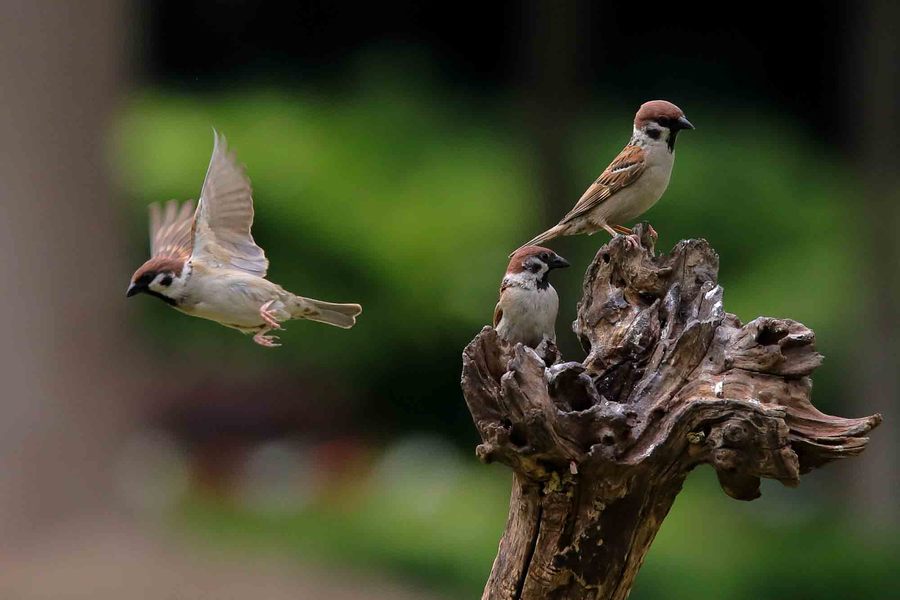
x=339, y=315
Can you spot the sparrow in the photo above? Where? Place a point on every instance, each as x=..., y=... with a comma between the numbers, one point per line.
x=205, y=263
x=633, y=181
x=526, y=311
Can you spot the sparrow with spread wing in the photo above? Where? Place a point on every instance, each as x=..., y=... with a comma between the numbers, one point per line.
x=205, y=263
x=528, y=304
x=635, y=179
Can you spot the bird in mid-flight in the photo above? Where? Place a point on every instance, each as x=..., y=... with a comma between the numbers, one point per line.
x=205, y=263
x=526, y=311
x=635, y=179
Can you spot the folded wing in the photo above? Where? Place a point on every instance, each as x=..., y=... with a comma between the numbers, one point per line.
x=622, y=172
x=224, y=216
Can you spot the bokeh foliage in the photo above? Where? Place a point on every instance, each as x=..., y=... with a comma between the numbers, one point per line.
x=408, y=203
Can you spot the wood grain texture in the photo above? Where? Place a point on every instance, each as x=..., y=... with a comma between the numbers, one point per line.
x=600, y=449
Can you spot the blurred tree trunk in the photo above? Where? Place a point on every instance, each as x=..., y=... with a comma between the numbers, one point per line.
x=876, y=126
x=63, y=358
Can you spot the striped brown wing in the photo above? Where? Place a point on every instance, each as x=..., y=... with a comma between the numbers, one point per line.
x=624, y=170
x=170, y=229
x=224, y=216
x=498, y=310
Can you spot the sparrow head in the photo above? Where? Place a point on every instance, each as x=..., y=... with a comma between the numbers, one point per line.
x=659, y=120
x=530, y=265
x=161, y=276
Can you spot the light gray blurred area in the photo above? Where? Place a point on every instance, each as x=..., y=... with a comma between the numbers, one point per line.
x=67, y=367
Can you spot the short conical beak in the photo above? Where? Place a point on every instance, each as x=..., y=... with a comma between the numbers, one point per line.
x=558, y=262
x=133, y=289
x=683, y=123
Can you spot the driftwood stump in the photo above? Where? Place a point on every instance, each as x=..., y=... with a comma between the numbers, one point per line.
x=601, y=448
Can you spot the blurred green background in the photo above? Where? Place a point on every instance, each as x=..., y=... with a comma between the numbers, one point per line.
x=397, y=154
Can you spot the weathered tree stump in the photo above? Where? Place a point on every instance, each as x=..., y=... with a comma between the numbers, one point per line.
x=601, y=448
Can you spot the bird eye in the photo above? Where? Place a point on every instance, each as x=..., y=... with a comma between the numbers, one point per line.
x=166, y=281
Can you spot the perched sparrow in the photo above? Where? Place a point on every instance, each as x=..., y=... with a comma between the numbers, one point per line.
x=206, y=264
x=528, y=303
x=633, y=182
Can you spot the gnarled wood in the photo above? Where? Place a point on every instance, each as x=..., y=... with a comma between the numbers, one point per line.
x=600, y=449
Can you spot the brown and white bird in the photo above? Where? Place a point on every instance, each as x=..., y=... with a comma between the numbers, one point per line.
x=526, y=311
x=635, y=179
x=205, y=263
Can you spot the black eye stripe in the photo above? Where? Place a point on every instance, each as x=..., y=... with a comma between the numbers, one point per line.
x=664, y=121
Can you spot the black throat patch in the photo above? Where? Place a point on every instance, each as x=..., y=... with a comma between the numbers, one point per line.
x=671, y=141
x=543, y=283
x=166, y=299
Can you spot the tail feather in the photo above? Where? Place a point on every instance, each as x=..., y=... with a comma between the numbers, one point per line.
x=339, y=315
x=555, y=231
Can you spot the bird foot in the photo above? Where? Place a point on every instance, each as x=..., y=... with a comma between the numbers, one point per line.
x=266, y=341
x=267, y=316
x=633, y=240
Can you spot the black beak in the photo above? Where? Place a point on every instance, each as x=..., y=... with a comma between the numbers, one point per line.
x=683, y=123
x=558, y=262
x=135, y=289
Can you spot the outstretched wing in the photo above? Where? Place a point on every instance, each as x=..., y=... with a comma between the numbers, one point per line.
x=622, y=172
x=224, y=216
x=170, y=229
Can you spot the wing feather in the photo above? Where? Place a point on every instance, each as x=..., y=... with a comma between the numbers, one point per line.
x=622, y=172
x=170, y=229
x=224, y=216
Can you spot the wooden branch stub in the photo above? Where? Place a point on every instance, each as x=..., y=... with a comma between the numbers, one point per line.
x=601, y=448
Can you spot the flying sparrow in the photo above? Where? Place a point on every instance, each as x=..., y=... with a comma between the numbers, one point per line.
x=205, y=263
x=635, y=179
x=526, y=311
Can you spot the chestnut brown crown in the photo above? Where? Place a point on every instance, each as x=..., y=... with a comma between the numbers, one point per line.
x=663, y=113
x=148, y=271
x=519, y=260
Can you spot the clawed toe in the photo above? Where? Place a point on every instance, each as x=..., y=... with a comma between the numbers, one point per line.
x=267, y=316
x=266, y=341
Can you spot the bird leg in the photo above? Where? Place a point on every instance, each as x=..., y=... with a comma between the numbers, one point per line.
x=268, y=318
x=633, y=240
x=267, y=341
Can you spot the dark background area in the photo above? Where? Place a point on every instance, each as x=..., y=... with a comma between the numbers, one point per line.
x=768, y=56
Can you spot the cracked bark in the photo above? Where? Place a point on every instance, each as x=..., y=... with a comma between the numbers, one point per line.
x=600, y=449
